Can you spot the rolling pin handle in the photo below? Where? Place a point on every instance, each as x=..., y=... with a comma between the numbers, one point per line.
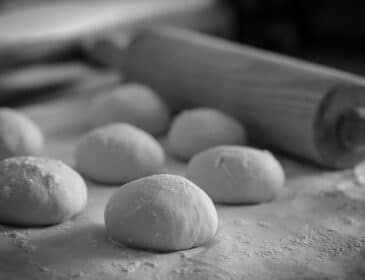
x=352, y=129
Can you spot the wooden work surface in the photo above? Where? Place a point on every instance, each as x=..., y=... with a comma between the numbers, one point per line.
x=316, y=230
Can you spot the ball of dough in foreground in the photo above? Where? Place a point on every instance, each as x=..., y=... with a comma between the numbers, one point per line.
x=38, y=191
x=199, y=129
x=19, y=136
x=118, y=153
x=133, y=103
x=234, y=174
x=161, y=212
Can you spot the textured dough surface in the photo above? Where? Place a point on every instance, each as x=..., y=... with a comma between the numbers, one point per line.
x=39, y=191
x=118, y=153
x=161, y=212
x=195, y=130
x=133, y=103
x=19, y=136
x=317, y=232
x=234, y=174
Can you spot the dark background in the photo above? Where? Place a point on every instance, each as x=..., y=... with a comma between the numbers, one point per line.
x=326, y=31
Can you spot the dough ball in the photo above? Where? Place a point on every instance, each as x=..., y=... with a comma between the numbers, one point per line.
x=118, y=153
x=133, y=103
x=161, y=212
x=199, y=129
x=19, y=136
x=233, y=174
x=39, y=191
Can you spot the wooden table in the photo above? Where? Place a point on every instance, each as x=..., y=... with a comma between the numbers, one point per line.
x=316, y=230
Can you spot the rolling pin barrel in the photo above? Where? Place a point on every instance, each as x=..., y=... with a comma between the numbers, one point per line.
x=299, y=108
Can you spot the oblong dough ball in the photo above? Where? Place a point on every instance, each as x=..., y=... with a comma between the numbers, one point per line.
x=196, y=130
x=19, y=136
x=118, y=153
x=133, y=103
x=233, y=174
x=161, y=212
x=39, y=191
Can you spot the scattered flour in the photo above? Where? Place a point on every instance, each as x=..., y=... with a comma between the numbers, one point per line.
x=349, y=220
x=19, y=239
x=76, y=275
x=149, y=264
x=264, y=224
x=322, y=243
x=41, y=268
x=347, y=200
x=240, y=222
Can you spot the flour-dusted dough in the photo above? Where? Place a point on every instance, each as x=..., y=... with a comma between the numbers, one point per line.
x=38, y=191
x=19, y=136
x=161, y=212
x=234, y=174
x=198, y=129
x=132, y=103
x=118, y=153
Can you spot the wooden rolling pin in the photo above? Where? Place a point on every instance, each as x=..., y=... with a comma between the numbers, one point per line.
x=296, y=107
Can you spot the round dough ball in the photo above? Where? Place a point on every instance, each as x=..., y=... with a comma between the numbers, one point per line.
x=233, y=174
x=161, y=212
x=19, y=136
x=118, y=153
x=133, y=103
x=196, y=130
x=39, y=191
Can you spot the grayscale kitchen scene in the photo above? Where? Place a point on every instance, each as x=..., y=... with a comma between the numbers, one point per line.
x=182, y=139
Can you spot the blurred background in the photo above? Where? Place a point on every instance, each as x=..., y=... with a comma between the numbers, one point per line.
x=48, y=44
